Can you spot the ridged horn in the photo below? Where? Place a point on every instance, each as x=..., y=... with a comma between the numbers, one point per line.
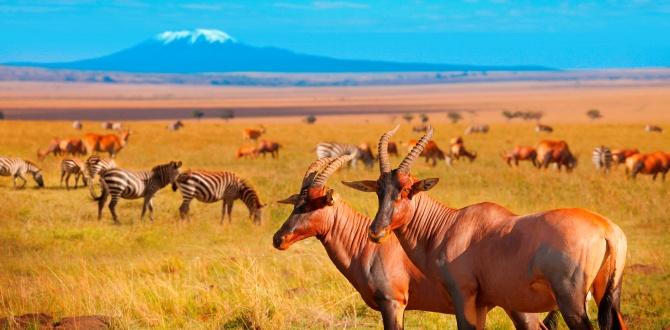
x=383, y=150
x=320, y=180
x=416, y=151
x=314, y=169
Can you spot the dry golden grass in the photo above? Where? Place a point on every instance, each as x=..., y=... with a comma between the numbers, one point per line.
x=55, y=257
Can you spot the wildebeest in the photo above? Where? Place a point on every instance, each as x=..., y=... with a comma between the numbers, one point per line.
x=486, y=256
x=383, y=274
x=653, y=129
x=520, y=153
x=477, y=129
x=271, y=147
x=543, y=128
x=557, y=152
x=110, y=143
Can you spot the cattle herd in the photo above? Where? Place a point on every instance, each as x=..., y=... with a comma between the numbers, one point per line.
x=416, y=253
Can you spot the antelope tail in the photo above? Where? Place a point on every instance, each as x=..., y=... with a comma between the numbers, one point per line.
x=609, y=316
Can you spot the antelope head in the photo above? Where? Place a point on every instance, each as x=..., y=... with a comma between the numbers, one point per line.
x=310, y=206
x=395, y=188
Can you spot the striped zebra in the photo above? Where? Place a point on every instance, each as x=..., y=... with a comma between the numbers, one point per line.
x=17, y=168
x=94, y=166
x=332, y=149
x=70, y=166
x=602, y=158
x=210, y=187
x=120, y=183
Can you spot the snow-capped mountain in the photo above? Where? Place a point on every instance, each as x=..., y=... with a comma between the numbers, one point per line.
x=208, y=50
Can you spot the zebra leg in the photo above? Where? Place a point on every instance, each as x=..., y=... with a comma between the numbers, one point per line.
x=101, y=201
x=62, y=175
x=183, y=209
x=145, y=206
x=67, y=181
x=151, y=209
x=112, y=209
x=20, y=176
x=76, y=180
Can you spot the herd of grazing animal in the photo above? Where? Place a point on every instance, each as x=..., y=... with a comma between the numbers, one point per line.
x=416, y=253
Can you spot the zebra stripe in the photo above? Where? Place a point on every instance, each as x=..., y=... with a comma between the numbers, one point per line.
x=210, y=187
x=120, y=183
x=602, y=158
x=17, y=168
x=95, y=164
x=70, y=166
x=332, y=149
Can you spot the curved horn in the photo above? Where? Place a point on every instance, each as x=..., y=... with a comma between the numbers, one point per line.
x=320, y=180
x=383, y=150
x=314, y=168
x=416, y=151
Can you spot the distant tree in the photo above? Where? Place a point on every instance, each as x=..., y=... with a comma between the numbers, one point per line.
x=454, y=116
x=227, y=114
x=594, y=114
x=532, y=115
x=509, y=115
x=311, y=119
x=408, y=117
x=2, y=115
x=198, y=114
x=424, y=118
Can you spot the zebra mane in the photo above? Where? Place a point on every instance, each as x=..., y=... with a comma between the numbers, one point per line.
x=245, y=187
x=32, y=165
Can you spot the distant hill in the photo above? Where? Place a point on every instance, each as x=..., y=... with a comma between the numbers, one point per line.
x=203, y=50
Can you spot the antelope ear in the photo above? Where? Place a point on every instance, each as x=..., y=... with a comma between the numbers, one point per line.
x=424, y=185
x=365, y=185
x=291, y=200
x=330, y=196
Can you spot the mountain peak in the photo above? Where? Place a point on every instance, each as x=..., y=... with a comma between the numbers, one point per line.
x=208, y=35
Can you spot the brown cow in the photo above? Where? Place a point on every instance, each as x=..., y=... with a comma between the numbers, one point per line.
x=485, y=256
x=253, y=133
x=266, y=146
x=520, y=153
x=649, y=164
x=619, y=155
x=247, y=152
x=383, y=274
x=110, y=143
x=555, y=152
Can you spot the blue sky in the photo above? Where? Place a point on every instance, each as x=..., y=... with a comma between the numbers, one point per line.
x=565, y=34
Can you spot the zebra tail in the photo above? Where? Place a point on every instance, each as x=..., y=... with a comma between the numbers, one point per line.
x=104, y=190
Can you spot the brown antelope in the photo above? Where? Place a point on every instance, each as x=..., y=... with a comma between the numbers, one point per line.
x=649, y=164
x=253, y=133
x=382, y=274
x=653, y=129
x=110, y=143
x=72, y=147
x=539, y=128
x=53, y=148
x=432, y=153
x=477, y=129
x=175, y=126
x=555, y=152
x=266, y=146
x=457, y=150
x=393, y=148
x=619, y=155
x=485, y=256
x=520, y=153
x=246, y=152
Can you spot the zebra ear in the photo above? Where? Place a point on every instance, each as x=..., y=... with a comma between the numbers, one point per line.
x=178, y=164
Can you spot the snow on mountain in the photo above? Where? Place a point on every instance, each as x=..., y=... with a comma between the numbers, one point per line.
x=208, y=35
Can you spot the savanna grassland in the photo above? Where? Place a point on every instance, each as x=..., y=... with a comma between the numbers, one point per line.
x=55, y=257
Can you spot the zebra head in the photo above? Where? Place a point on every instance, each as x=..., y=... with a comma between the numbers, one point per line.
x=311, y=206
x=166, y=173
x=36, y=173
